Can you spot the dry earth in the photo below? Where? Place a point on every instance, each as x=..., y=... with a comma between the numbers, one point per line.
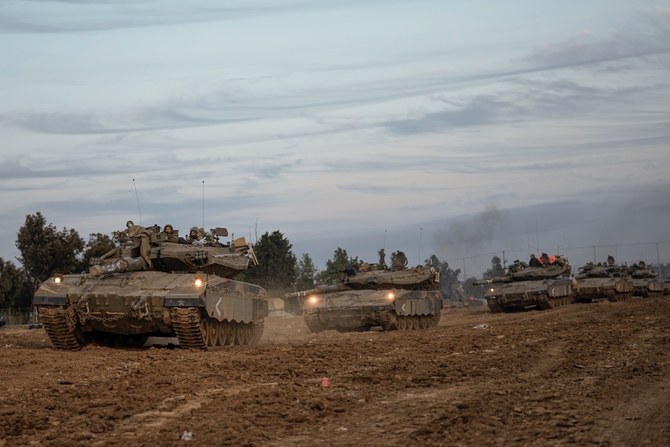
x=588, y=374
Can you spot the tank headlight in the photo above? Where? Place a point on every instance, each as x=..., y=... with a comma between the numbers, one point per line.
x=492, y=290
x=58, y=279
x=390, y=296
x=313, y=300
x=198, y=281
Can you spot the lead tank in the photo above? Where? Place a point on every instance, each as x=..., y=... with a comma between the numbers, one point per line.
x=156, y=284
x=396, y=298
x=603, y=280
x=525, y=287
x=646, y=282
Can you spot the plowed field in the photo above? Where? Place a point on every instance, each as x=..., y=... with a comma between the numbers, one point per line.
x=585, y=374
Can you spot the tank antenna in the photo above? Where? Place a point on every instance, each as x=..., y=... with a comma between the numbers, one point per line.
x=138, y=201
x=420, y=234
x=203, y=205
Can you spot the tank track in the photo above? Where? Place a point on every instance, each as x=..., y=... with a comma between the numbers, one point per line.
x=61, y=327
x=196, y=331
x=313, y=323
x=620, y=296
x=417, y=322
x=546, y=302
x=494, y=307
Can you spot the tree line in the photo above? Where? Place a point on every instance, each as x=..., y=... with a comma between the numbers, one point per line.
x=45, y=250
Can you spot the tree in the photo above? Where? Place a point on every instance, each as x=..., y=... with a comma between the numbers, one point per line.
x=472, y=290
x=449, y=284
x=45, y=250
x=496, y=268
x=335, y=267
x=277, y=263
x=98, y=244
x=15, y=289
x=305, y=273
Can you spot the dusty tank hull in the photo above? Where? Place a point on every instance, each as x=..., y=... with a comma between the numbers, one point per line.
x=539, y=294
x=360, y=310
x=611, y=288
x=647, y=287
x=126, y=308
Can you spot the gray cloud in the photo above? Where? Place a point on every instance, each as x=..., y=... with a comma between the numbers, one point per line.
x=522, y=100
x=586, y=48
x=479, y=110
x=62, y=16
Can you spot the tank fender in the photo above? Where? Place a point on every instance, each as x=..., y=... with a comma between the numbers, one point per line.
x=232, y=300
x=49, y=300
x=559, y=289
x=194, y=299
x=408, y=305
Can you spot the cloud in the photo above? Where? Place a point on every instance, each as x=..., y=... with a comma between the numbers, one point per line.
x=652, y=37
x=63, y=16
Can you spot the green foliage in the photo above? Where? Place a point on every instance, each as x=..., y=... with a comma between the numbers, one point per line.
x=98, y=244
x=277, y=269
x=335, y=267
x=15, y=289
x=305, y=273
x=45, y=250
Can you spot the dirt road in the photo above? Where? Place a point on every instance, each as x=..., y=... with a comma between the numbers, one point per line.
x=585, y=374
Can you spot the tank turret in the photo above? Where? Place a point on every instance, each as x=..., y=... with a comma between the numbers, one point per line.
x=156, y=284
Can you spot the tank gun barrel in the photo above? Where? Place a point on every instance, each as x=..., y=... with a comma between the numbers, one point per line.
x=119, y=266
x=496, y=280
x=482, y=282
x=327, y=288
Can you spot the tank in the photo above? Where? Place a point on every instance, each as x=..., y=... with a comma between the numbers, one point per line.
x=646, y=283
x=530, y=287
x=603, y=281
x=156, y=284
x=396, y=298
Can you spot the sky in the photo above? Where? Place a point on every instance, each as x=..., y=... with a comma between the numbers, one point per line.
x=432, y=127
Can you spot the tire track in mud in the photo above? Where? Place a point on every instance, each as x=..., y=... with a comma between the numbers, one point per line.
x=170, y=411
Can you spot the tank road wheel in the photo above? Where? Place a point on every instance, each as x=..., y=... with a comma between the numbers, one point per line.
x=242, y=338
x=204, y=330
x=257, y=331
x=241, y=334
x=494, y=307
x=313, y=323
x=225, y=336
x=221, y=333
x=436, y=319
x=391, y=324
x=250, y=330
x=620, y=296
x=212, y=328
x=402, y=323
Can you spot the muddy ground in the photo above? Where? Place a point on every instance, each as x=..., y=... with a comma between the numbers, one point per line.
x=585, y=374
